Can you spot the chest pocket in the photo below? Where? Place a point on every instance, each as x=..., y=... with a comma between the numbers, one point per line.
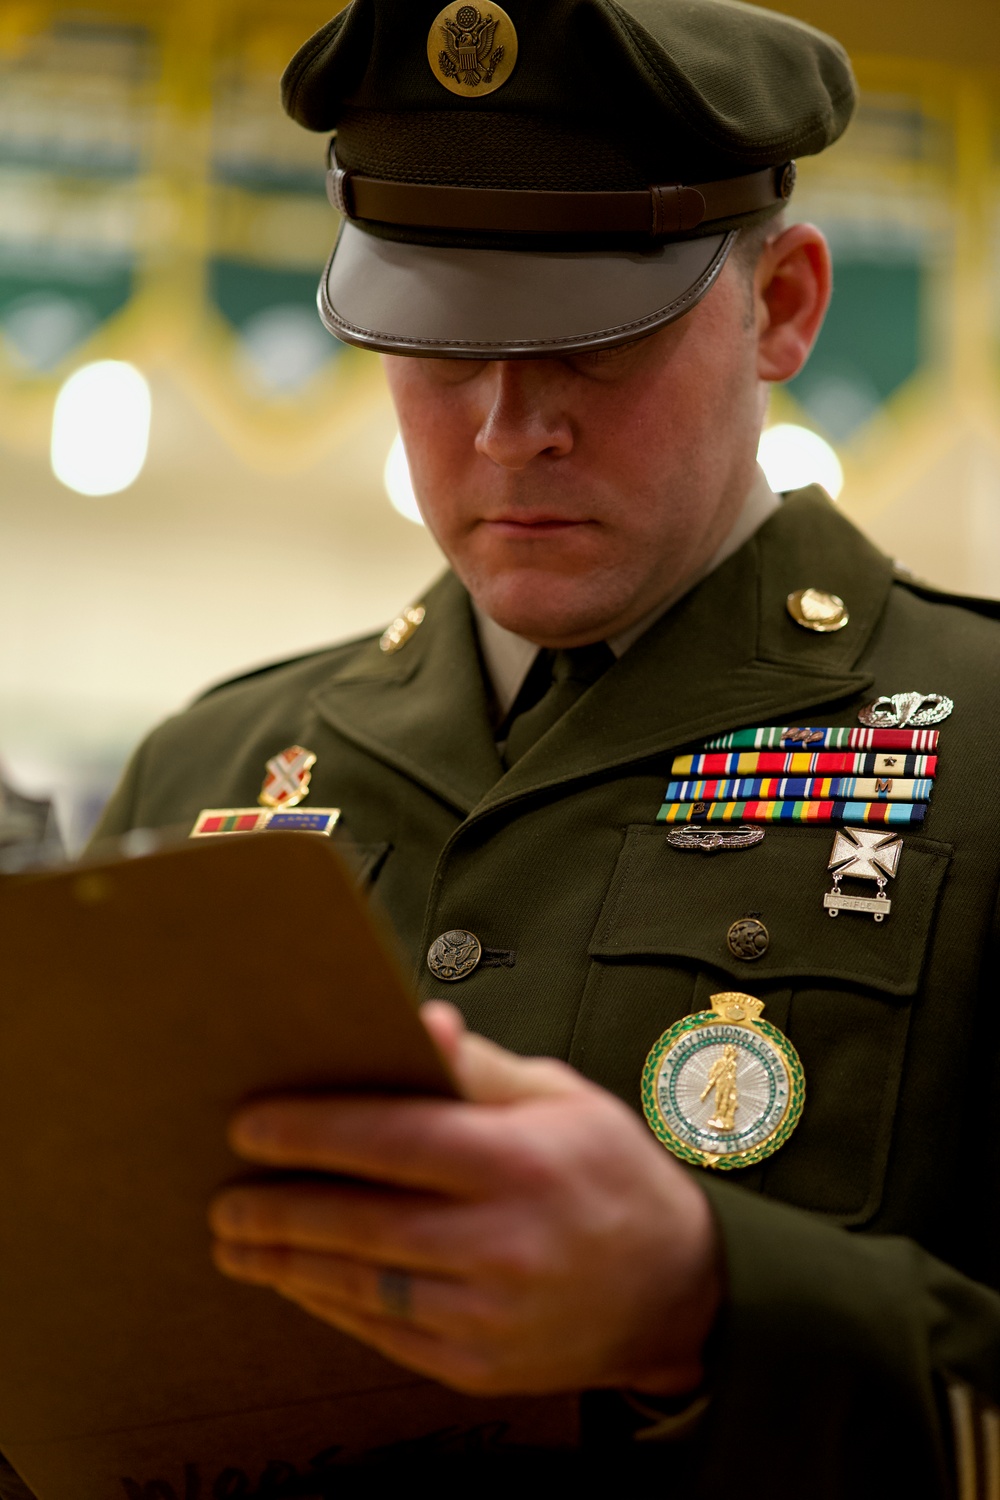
x=841, y=989
x=364, y=861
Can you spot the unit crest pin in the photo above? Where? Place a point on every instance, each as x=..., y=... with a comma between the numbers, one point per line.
x=287, y=779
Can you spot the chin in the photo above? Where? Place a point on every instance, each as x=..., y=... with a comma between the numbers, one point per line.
x=550, y=610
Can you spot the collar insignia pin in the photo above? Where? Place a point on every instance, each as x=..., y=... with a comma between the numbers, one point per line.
x=863, y=854
x=287, y=779
x=903, y=710
x=722, y=1088
x=815, y=610
x=401, y=629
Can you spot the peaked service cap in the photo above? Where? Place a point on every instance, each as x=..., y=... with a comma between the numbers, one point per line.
x=556, y=175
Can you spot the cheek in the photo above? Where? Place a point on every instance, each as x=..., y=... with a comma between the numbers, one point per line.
x=437, y=446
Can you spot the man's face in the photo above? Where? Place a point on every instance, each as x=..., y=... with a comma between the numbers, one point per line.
x=572, y=495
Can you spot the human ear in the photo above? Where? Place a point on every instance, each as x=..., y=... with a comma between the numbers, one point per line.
x=793, y=282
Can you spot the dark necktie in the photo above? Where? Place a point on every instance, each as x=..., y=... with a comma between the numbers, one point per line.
x=556, y=680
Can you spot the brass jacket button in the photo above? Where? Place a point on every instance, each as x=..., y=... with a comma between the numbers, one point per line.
x=748, y=939
x=454, y=955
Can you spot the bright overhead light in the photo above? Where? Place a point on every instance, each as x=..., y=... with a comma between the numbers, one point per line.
x=793, y=457
x=399, y=485
x=100, y=428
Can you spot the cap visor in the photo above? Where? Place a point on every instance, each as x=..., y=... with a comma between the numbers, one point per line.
x=505, y=304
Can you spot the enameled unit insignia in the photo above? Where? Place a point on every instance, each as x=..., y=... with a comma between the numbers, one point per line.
x=722, y=1088
x=903, y=709
x=863, y=854
x=287, y=781
x=472, y=52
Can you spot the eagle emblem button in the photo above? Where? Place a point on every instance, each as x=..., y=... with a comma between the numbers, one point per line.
x=472, y=52
x=454, y=955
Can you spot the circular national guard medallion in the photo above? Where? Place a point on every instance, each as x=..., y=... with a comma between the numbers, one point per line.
x=723, y=1088
x=472, y=51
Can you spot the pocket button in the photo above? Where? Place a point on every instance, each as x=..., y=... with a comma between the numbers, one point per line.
x=748, y=939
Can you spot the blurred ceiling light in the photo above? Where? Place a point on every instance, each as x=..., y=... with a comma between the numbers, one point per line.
x=100, y=428
x=793, y=457
x=399, y=485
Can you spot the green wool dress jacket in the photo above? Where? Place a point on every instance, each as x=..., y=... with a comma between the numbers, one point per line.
x=859, y=1351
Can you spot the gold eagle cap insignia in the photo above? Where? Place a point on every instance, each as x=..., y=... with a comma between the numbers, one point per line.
x=472, y=52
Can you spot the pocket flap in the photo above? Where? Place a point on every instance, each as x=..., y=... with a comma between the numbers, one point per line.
x=665, y=901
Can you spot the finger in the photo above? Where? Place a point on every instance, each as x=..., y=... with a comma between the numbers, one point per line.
x=445, y=1307
x=438, y=1145
x=415, y=1143
x=408, y=1230
x=488, y=1074
x=446, y=1026
x=439, y=1359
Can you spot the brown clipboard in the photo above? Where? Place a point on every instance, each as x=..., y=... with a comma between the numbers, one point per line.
x=140, y=1001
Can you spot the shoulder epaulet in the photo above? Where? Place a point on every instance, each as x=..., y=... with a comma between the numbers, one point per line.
x=276, y=666
x=979, y=603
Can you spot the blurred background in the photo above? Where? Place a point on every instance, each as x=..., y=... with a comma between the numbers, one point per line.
x=193, y=474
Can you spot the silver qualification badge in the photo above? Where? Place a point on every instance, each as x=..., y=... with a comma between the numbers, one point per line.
x=863, y=854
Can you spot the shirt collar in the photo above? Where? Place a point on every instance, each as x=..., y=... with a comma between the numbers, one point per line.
x=508, y=657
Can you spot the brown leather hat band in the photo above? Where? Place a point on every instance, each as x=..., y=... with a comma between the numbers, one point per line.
x=657, y=211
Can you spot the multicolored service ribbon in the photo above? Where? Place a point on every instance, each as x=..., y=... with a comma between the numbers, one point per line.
x=896, y=814
x=803, y=763
x=828, y=739
x=852, y=788
x=260, y=819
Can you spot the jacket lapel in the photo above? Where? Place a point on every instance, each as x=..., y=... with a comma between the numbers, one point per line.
x=727, y=654
x=422, y=709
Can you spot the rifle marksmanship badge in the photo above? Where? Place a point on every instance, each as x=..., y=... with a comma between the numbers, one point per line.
x=863, y=854
x=285, y=785
x=472, y=51
x=722, y=1088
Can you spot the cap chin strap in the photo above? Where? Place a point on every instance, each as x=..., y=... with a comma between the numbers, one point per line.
x=659, y=212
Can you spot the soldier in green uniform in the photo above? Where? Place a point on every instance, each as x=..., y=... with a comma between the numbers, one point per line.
x=650, y=783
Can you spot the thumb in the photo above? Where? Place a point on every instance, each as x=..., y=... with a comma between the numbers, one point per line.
x=488, y=1074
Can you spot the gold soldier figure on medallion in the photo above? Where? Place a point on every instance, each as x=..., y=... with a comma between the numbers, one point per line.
x=722, y=1078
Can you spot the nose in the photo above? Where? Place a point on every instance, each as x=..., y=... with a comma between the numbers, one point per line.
x=524, y=416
